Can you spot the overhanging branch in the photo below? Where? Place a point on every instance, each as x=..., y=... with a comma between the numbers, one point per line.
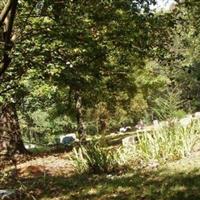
x=5, y=12
x=7, y=36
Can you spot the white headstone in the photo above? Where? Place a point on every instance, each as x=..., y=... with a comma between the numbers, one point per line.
x=127, y=141
x=197, y=115
x=185, y=122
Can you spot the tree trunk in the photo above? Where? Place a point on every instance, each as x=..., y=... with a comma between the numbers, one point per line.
x=7, y=17
x=102, y=125
x=79, y=115
x=10, y=138
x=19, y=142
x=5, y=11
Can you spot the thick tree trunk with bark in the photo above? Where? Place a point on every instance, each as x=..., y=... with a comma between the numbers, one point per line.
x=19, y=142
x=10, y=135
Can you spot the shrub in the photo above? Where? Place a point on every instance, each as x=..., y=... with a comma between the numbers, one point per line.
x=169, y=105
x=169, y=143
x=95, y=159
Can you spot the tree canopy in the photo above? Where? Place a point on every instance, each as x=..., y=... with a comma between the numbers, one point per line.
x=93, y=66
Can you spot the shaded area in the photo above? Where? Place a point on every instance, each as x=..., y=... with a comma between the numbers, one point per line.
x=147, y=185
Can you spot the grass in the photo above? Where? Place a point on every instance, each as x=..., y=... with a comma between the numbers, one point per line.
x=178, y=180
x=174, y=180
x=93, y=158
x=165, y=143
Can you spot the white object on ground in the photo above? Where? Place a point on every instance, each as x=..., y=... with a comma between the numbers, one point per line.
x=197, y=115
x=185, y=122
x=29, y=146
x=124, y=129
x=68, y=138
x=127, y=141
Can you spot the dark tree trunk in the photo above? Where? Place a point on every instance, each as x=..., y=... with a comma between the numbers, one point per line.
x=7, y=18
x=10, y=137
x=79, y=115
x=19, y=142
x=5, y=12
x=102, y=125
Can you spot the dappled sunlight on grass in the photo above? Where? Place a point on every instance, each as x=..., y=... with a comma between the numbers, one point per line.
x=178, y=180
x=158, y=184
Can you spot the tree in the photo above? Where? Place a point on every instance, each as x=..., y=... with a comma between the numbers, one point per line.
x=10, y=130
x=92, y=59
x=183, y=54
x=72, y=56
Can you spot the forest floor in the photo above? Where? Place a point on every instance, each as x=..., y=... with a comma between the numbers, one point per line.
x=52, y=177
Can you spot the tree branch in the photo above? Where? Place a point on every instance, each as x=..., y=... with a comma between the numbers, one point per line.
x=11, y=21
x=5, y=12
x=6, y=90
x=7, y=37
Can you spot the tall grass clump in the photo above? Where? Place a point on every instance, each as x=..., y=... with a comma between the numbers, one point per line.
x=93, y=158
x=170, y=143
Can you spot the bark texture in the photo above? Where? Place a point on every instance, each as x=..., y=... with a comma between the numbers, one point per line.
x=7, y=18
x=10, y=135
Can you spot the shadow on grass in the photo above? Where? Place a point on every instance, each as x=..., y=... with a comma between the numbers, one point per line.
x=134, y=186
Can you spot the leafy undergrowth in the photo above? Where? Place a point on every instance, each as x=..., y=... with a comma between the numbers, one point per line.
x=176, y=180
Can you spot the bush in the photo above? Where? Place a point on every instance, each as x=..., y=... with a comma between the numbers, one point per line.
x=169, y=143
x=95, y=159
x=168, y=105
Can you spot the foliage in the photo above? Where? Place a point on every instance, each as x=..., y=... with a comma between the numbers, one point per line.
x=95, y=159
x=41, y=127
x=102, y=65
x=167, y=143
x=93, y=54
x=122, y=60
x=169, y=105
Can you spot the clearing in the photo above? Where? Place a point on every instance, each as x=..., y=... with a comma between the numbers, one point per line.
x=52, y=177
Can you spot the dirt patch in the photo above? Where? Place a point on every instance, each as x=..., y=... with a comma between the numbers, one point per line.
x=54, y=165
